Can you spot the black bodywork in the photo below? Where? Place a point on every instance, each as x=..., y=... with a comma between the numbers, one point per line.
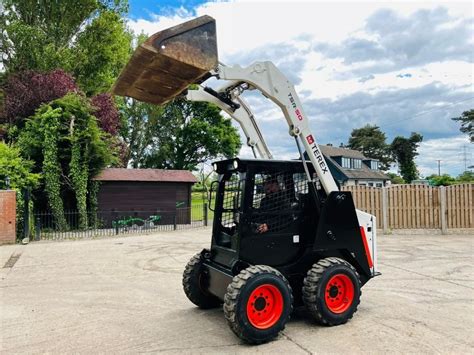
x=319, y=226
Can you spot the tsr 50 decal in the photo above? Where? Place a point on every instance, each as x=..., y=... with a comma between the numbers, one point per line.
x=297, y=110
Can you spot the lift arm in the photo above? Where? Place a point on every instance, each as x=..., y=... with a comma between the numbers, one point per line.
x=267, y=78
x=241, y=113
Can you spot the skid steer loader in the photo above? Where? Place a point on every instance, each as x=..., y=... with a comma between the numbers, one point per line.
x=283, y=234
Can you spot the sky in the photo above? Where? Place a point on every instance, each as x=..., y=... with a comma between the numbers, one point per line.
x=404, y=66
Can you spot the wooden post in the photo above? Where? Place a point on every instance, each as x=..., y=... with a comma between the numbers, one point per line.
x=442, y=191
x=385, y=210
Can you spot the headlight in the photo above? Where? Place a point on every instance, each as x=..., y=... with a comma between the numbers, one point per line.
x=236, y=164
x=214, y=167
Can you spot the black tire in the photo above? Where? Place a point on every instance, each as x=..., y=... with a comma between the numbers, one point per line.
x=244, y=322
x=194, y=285
x=331, y=304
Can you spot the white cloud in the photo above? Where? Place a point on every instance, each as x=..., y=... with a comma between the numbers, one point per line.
x=455, y=153
x=349, y=63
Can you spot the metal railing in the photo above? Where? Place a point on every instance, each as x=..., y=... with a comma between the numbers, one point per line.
x=109, y=223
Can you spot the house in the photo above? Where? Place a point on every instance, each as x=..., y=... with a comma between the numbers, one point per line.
x=141, y=193
x=351, y=167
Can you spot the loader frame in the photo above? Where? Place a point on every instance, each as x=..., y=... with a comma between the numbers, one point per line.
x=292, y=252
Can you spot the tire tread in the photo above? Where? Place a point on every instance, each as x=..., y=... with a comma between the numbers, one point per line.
x=232, y=295
x=310, y=287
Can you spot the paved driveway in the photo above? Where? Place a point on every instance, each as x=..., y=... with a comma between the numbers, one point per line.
x=123, y=295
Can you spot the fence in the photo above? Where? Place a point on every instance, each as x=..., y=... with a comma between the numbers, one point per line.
x=108, y=223
x=417, y=206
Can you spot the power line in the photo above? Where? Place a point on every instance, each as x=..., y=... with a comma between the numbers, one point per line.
x=428, y=111
x=414, y=116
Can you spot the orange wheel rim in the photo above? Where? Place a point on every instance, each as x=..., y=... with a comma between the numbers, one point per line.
x=265, y=306
x=339, y=293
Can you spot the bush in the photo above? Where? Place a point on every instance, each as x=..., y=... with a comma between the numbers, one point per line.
x=19, y=173
x=26, y=91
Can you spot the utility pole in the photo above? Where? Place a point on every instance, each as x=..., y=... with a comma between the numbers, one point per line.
x=439, y=167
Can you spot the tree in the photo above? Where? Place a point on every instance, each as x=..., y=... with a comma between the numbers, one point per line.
x=140, y=122
x=69, y=149
x=395, y=179
x=467, y=176
x=19, y=173
x=179, y=135
x=404, y=151
x=27, y=90
x=106, y=113
x=467, y=123
x=371, y=141
x=17, y=169
x=441, y=180
x=103, y=49
x=87, y=38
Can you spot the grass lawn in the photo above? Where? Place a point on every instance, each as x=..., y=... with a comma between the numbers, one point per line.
x=197, y=203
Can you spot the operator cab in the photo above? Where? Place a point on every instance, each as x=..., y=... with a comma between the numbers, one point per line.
x=251, y=193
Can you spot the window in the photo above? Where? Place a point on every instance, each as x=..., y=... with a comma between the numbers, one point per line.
x=346, y=163
x=274, y=196
x=374, y=165
x=230, y=195
x=231, y=200
x=371, y=184
x=379, y=184
x=356, y=163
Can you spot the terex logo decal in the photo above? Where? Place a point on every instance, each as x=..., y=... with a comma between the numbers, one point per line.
x=297, y=110
x=319, y=158
x=317, y=153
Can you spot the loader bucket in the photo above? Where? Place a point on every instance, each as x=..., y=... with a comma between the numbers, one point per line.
x=169, y=61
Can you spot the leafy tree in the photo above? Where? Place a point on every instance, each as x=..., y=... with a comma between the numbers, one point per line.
x=140, y=123
x=467, y=176
x=37, y=34
x=467, y=123
x=395, y=179
x=68, y=147
x=26, y=91
x=19, y=172
x=179, y=135
x=87, y=38
x=441, y=180
x=371, y=141
x=107, y=113
x=103, y=49
x=404, y=151
x=16, y=168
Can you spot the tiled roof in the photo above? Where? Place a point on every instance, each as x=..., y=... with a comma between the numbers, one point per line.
x=156, y=175
x=364, y=173
x=331, y=151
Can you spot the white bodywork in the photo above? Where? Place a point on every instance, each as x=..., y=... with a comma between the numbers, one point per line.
x=369, y=223
x=271, y=82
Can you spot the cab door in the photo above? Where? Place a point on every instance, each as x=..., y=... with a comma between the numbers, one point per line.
x=280, y=211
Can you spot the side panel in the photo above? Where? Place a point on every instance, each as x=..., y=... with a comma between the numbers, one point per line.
x=218, y=279
x=339, y=231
